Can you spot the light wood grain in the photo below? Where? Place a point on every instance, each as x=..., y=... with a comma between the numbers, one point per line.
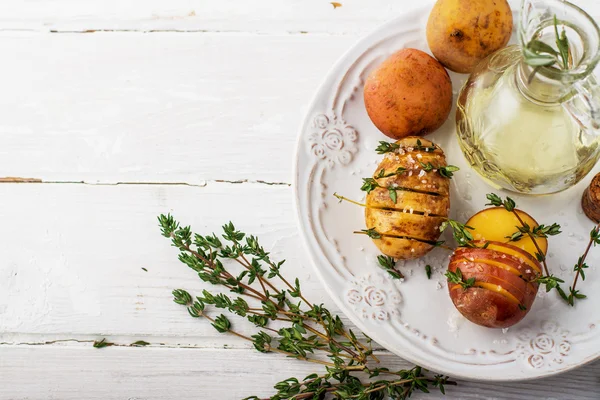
x=74, y=269
x=146, y=373
x=264, y=16
x=293, y=16
x=131, y=107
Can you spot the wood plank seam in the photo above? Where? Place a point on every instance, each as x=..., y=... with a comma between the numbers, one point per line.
x=149, y=183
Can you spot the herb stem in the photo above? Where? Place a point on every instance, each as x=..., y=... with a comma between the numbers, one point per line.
x=342, y=198
x=541, y=253
x=582, y=260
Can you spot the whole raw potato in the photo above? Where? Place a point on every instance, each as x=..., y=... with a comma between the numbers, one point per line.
x=409, y=94
x=461, y=33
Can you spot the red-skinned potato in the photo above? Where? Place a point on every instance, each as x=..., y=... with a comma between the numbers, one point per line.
x=500, y=277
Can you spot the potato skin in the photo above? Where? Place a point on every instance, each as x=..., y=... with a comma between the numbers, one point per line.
x=486, y=307
x=410, y=93
x=410, y=226
x=461, y=33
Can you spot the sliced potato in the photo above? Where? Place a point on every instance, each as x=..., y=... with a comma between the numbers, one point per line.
x=412, y=203
x=398, y=223
x=421, y=202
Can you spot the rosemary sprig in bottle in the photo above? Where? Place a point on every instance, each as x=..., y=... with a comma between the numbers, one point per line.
x=285, y=321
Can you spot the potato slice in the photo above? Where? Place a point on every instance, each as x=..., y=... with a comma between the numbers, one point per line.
x=421, y=202
x=398, y=223
x=402, y=248
x=495, y=224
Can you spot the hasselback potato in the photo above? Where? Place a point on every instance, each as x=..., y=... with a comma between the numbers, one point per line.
x=408, y=199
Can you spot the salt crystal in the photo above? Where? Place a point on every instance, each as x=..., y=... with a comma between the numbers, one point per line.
x=410, y=148
x=504, y=330
x=411, y=210
x=410, y=173
x=412, y=250
x=419, y=156
x=438, y=286
x=424, y=181
x=421, y=173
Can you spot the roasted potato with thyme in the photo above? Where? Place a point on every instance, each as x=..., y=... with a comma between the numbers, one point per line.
x=408, y=198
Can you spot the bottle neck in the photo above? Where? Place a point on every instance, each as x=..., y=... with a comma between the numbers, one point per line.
x=539, y=88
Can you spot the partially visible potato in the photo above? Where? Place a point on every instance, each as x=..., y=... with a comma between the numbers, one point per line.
x=495, y=224
x=410, y=93
x=409, y=223
x=461, y=33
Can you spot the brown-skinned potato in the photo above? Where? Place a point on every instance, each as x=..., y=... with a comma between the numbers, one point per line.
x=461, y=33
x=410, y=93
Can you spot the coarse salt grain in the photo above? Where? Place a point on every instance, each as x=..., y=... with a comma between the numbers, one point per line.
x=419, y=156
x=410, y=173
x=424, y=181
x=411, y=210
x=422, y=173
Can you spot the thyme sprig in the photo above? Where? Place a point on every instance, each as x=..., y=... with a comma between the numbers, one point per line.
x=446, y=172
x=543, y=231
x=285, y=321
x=460, y=232
x=389, y=265
x=458, y=279
x=387, y=147
x=510, y=205
x=581, y=266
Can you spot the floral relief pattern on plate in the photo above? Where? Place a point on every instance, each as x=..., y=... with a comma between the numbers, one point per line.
x=332, y=140
x=374, y=297
x=544, y=347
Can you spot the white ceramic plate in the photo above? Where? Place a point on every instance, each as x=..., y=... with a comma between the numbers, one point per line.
x=415, y=318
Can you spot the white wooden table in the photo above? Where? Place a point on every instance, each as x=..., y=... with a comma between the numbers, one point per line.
x=114, y=111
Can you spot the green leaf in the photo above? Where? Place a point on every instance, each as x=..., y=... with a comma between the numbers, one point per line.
x=372, y=233
x=494, y=199
x=428, y=271
x=139, y=343
x=393, y=194
x=562, y=42
x=369, y=184
x=221, y=324
x=537, y=46
x=102, y=343
x=538, y=60
x=386, y=147
x=389, y=264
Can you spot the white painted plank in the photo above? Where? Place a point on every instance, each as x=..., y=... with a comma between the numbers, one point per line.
x=131, y=107
x=264, y=16
x=192, y=15
x=119, y=373
x=73, y=255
